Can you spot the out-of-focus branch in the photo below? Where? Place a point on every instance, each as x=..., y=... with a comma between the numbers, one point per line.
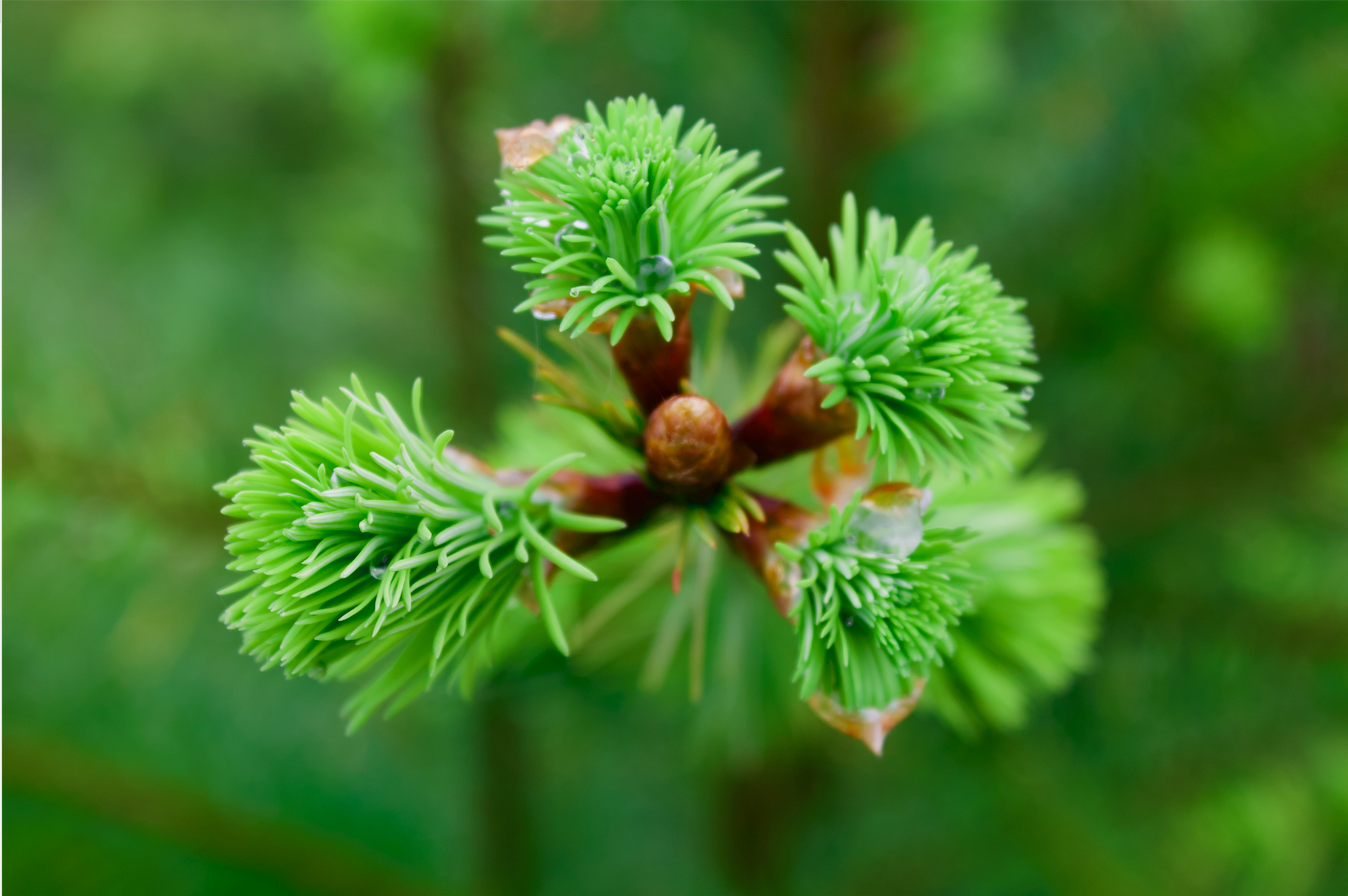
x=762, y=808
x=452, y=67
x=104, y=478
x=509, y=849
x=839, y=120
x=309, y=862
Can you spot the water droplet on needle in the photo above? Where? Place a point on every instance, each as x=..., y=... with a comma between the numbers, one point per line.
x=655, y=274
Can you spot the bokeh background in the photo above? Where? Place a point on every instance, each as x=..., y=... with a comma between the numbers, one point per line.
x=207, y=205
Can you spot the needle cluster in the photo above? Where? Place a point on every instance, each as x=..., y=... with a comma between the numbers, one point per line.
x=625, y=212
x=919, y=338
x=358, y=537
x=871, y=620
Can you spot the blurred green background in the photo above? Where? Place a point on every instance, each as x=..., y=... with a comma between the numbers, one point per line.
x=208, y=205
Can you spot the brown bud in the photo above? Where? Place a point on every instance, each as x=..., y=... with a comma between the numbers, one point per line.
x=688, y=445
x=870, y=726
x=731, y=280
x=522, y=146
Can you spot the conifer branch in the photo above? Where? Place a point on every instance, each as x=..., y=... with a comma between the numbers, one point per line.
x=371, y=548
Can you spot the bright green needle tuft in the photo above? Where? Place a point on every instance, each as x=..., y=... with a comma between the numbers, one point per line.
x=626, y=212
x=365, y=546
x=869, y=620
x=920, y=339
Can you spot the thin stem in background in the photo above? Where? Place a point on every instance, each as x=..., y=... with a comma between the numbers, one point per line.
x=451, y=73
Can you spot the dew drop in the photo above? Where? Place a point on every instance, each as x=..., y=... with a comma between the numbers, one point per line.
x=380, y=566
x=655, y=274
x=890, y=518
x=1027, y=393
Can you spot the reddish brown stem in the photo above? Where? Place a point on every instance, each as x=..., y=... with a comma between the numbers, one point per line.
x=655, y=369
x=623, y=496
x=789, y=419
x=783, y=521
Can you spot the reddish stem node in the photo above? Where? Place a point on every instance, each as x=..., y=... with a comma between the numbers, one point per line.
x=789, y=419
x=783, y=521
x=623, y=496
x=655, y=369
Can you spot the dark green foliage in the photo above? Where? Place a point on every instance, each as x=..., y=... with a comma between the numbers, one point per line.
x=363, y=543
x=210, y=204
x=633, y=212
x=920, y=339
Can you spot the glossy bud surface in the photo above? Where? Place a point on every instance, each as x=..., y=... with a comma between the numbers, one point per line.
x=688, y=444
